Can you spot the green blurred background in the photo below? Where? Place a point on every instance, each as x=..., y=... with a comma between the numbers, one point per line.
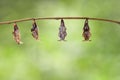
x=49, y=59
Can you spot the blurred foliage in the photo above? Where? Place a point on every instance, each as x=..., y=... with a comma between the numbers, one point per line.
x=49, y=59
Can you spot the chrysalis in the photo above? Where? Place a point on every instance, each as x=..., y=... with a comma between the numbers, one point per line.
x=86, y=31
x=62, y=31
x=34, y=30
x=16, y=34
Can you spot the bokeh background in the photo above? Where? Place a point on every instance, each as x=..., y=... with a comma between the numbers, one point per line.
x=49, y=59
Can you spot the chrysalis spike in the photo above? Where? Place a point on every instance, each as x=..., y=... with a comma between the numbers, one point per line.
x=62, y=31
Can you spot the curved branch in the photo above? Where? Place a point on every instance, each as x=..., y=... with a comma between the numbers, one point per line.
x=58, y=18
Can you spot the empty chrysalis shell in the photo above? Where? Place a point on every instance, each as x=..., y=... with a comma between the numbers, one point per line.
x=62, y=31
x=86, y=31
x=34, y=30
x=16, y=34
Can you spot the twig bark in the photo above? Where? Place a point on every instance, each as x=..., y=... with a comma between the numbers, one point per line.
x=58, y=18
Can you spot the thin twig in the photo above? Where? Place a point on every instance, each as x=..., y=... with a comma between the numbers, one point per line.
x=58, y=18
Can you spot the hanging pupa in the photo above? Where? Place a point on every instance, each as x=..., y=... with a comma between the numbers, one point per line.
x=62, y=31
x=86, y=31
x=16, y=34
x=34, y=30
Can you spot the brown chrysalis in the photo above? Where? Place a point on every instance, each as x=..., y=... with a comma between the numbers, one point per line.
x=86, y=31
x=62, y=31
x=16, y=34
x=34, y=30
